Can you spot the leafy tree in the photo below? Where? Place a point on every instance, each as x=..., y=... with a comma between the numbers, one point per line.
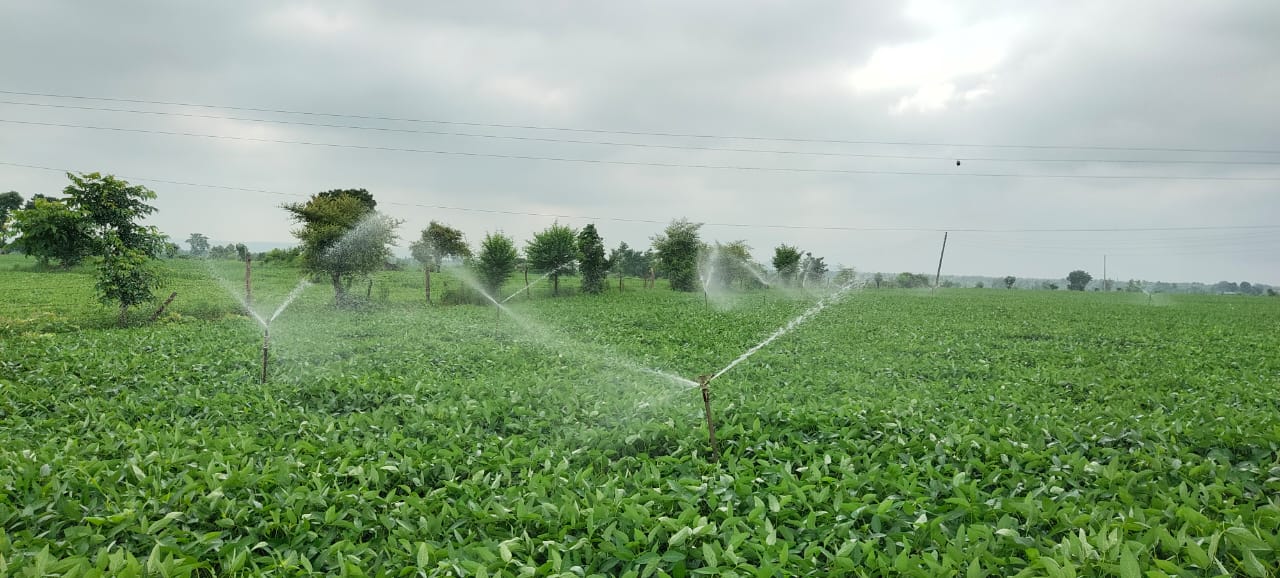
x=786, y=261
x=879, y=278
x=813, y=269
x=912, y=280
x=1049, y=286
x=9, y=202
x=595, y=268
x=31, y=203
x=125, y=276
x=242, y=252
x=342, y=238
x=114, y=208
x=199, y=244
x=677, y=254
x=50, y=229
x=631, y=262
x=171, y=249
x=1009, y=281
x=365, y=197
x=437, y=242
x=1246, y=288
x=553, y=250
x=733, y=264
x=1077, y=280
x=978, y=285
x=496, y=261
x=1271, y=292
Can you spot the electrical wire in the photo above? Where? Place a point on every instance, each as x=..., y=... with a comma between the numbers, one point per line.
x=651, y=133
x=637, y=163
x=647, y=145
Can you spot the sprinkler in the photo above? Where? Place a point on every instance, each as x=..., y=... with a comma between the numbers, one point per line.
x=703, y=382
x=266, y=348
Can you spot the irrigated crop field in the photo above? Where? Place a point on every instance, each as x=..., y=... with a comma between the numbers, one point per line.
x=972, y=432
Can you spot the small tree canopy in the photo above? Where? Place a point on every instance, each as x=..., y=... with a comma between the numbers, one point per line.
x=437, y=242
x=199, y=244
x=786, y=261
x=1009, y=281
x=595, y=268
x=342, y=237
x=496, y=261
x=554, y=250
x=50, y=229
x=676, y=250
x=1077, y=280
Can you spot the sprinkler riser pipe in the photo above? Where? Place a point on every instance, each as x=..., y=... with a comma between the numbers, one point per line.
x=266, y=349
x=703, y=382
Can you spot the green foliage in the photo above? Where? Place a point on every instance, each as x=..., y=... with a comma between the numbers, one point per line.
x=496, y=261
x=342, y=237
x=115, y=209
x=813, y=269
x=732, y=265
x=437, y=242
x=632, y=263
x=912, y=280
x=786, y=261
x=878, y=279
x=290, y=256
x=364, y=197
x=676, y=252
x=126, y=277
x=845, y=276
x=1009, y=281
x=1005, y=433
x=242, y=252
x=50, y=229
x=553, y=250
x=9, y=202
x=595, y=268
x=1077, y=280
x=199, y=244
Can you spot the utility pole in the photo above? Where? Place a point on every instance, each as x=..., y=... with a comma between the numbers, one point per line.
x=938, y=275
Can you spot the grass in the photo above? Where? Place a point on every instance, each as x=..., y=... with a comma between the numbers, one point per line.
x=970, y=432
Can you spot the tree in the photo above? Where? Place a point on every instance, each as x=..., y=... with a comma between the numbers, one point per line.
x=31, y=203
x=114, y=208
x=1047, y=286
x=1246, y=288
x=813, y=269
x=629, y=261
x=9, y=202
x=1077, y=280
x=365, y=197
x=978, y=285
x=342, y=238
x=437, y=242
x=496, y=261
x=125, y=276
x=595, y=268
x=879, y=278
x=50, y=229
x=786, y=261
x=677, y=254
x=1009, y=281
x=199, y=244
x=553, y=251
x=913, y=280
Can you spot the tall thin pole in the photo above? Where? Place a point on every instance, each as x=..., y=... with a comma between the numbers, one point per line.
x=703, y=381
x=938, y=275
x=248, y=285
x=1106, y=283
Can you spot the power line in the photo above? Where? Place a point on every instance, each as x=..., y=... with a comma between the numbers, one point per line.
x=645, y=145
x=706, y=223
x=636, y=163
x=648, y=133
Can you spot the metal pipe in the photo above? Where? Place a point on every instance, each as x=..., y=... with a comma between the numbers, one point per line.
x=703, y=382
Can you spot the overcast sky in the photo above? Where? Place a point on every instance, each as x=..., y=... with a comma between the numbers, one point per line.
x=1125, y=75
